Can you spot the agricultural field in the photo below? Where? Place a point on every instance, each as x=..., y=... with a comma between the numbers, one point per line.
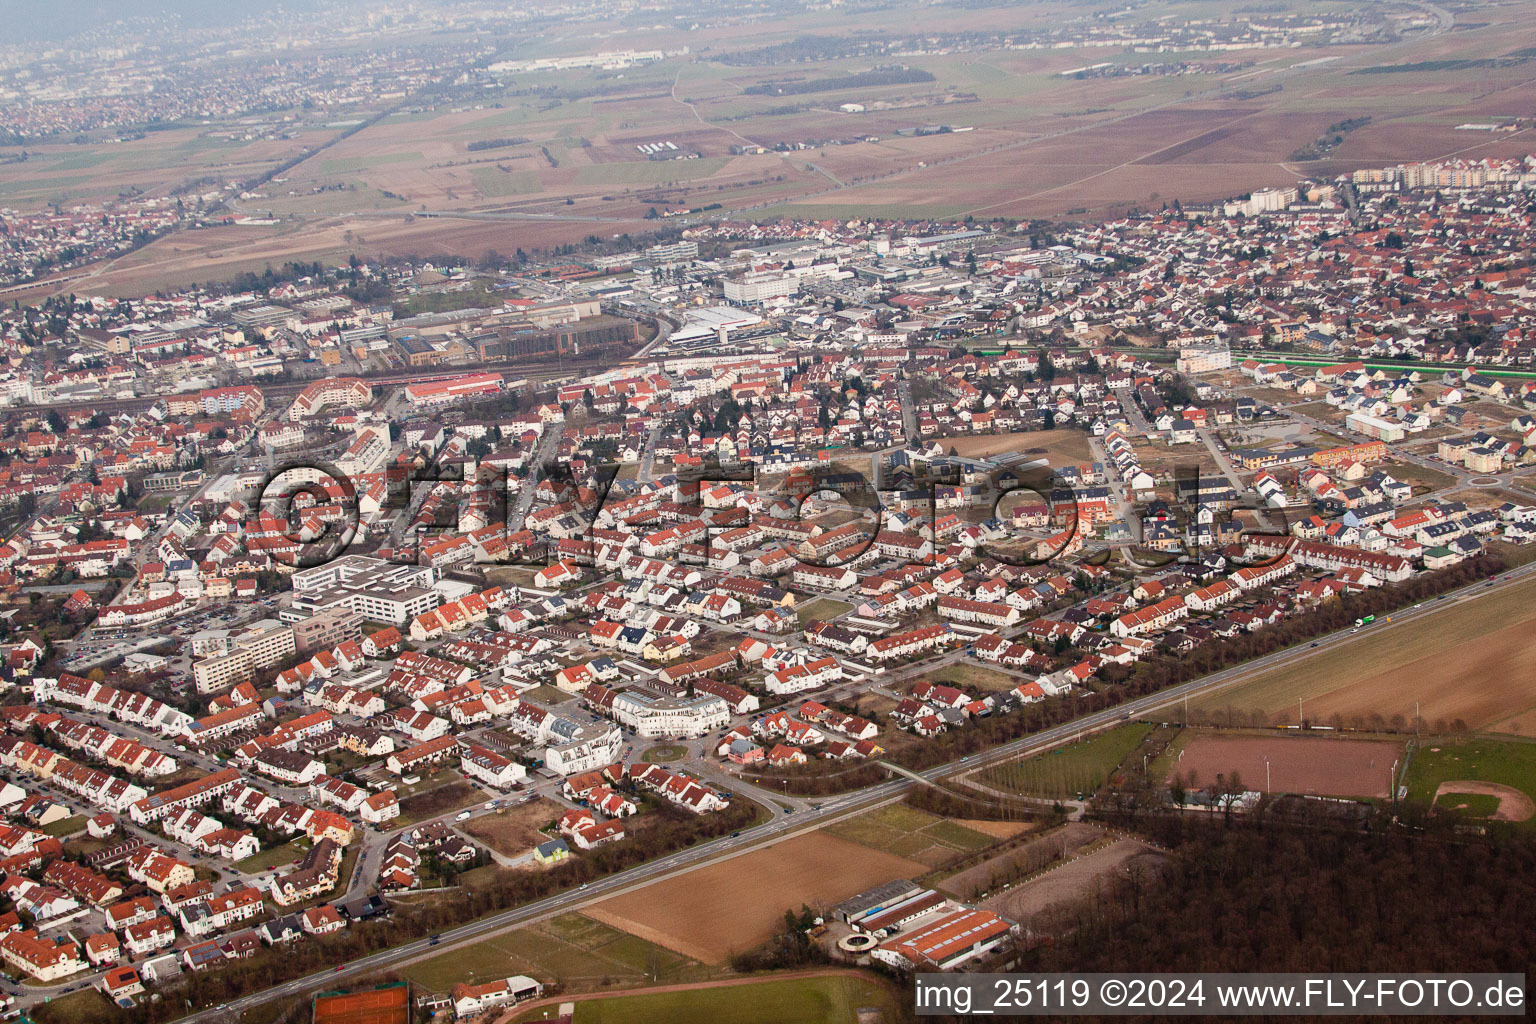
x=914, y=834
x=1470, y=661
x=709, y=915
x=66, y=172
x=1029, y=141
x=1285, y=763
x=1067, y=772
x=514, y=831
x=1481, y=776
x=575, y=949
x=840, y=998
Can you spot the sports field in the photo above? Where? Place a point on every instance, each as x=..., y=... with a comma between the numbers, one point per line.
x=573, y=948
x=836, y=999
x=1283, y=763
x=733, y=905
x=1483, y=776
x=1067, y=771
x=387, y=1005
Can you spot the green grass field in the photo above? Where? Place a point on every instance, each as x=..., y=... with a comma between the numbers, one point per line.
x=975, y=679
x=831, y=1000
x=66, y=826
x=649, y=172
x=492, y=181
x=443, y=302
x=580, y=952
x=663, y=754
x=1506, y=762
x=546, y=694
x=363, y=163
x=273, y=856
x=1067, y=771
x=1473, y=805
x=821, y=608
x=909, y=832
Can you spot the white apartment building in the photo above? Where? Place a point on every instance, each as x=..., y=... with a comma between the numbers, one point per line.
x=651, y=714
x=595, y=748
x=491, y=768
x=1204, y=360
x=222, y=671
x=760, y=286
x=368, y=451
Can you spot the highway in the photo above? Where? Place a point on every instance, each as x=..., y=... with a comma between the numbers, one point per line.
x=783, y=826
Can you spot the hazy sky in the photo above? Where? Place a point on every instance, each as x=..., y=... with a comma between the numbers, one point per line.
x=57, y=19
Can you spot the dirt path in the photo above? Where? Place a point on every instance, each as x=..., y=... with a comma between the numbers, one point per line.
x=1513, y=804
x=1071, y=881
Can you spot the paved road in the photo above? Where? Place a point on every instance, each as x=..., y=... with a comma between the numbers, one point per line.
x=1225, y=465
x=908, y=413
x=784, y=825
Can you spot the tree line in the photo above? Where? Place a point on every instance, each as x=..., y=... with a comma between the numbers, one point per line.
x=1292, y=896
x=1166, y=668
x=415, y=917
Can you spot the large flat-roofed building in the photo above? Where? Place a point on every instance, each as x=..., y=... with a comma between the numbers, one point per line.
x=591, y=747
x=1374, y=426
x=434, y=394
x=758, y=286
x=221, y=671
x=876, y=900
x=1204, y=359
x=652, y=714
x=417, y=351
x=946, y=941
x=327, y=630
x=233, y=659
x=377, y=590
x=269, y=642
x=709, y=321
x=582, y=337
x=673, y=252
